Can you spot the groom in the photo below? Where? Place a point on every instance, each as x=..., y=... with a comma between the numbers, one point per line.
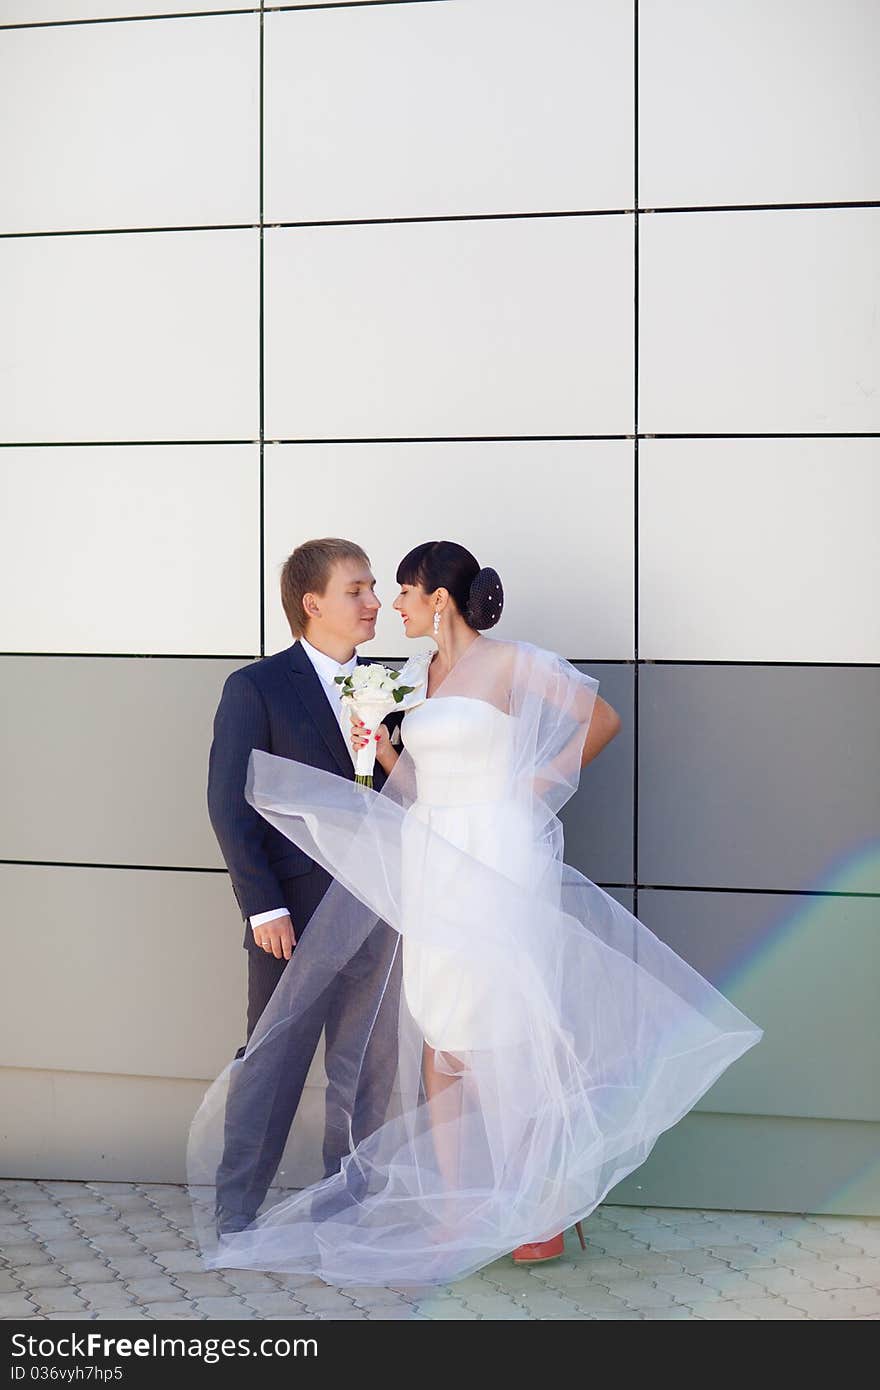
x=288, y=704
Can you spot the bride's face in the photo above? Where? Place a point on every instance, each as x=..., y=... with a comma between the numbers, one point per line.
x=416, y=608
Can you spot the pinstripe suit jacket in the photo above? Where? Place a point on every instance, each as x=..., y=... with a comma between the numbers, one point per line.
x=277, y=704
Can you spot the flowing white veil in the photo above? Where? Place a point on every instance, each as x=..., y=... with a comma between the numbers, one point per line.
x=592, y=1035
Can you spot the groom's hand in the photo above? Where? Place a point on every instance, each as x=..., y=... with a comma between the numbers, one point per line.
x=276, y=937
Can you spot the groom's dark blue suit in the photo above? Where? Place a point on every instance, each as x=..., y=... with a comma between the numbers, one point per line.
x=278, y=704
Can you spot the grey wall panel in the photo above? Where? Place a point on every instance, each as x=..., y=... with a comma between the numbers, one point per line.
x=598, y=820
x=623, y=896
x=124, y=971
x=106, y=762
x=760, y=1163
x=85, y=1126
x=82, y=1125
x=805, y=968
x=759, y=777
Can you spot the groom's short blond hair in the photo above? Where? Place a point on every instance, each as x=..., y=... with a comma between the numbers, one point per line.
x=307, y=571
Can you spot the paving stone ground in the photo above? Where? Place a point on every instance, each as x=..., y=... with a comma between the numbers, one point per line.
x=112, y=1251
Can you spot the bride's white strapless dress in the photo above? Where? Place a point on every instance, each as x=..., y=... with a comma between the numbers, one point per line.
x=462, y=750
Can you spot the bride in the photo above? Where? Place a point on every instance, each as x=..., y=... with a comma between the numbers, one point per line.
x=545, y=1038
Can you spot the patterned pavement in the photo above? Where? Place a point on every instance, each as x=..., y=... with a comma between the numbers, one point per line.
x=124, y=1251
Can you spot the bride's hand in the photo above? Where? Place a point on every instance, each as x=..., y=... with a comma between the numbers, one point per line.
x=361, y=736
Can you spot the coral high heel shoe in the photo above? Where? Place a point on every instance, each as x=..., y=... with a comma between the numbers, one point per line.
x=537, y=1251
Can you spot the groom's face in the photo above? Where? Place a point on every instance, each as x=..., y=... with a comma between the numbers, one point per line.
x=347, y=610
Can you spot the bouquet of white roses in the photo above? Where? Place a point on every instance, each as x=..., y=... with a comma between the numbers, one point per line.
x=372, y=692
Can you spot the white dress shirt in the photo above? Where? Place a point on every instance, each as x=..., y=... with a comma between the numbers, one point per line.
x=326, y=668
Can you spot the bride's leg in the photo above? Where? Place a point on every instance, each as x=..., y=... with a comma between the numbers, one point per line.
x=444, y=1091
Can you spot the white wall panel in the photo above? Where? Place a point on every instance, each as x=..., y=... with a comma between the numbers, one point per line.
x=759, y=549
x=760, y=321
x=130, y=336
x=758, y=101
x=428, y=109
x=508, y=327
x=130, y=125
x=555, y=518
x=145, y=550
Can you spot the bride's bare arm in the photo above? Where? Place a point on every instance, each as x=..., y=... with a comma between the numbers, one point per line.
x=595, y=724
x=605, y=724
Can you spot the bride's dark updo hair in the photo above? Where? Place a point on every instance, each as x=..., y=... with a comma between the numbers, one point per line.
x=478, y=594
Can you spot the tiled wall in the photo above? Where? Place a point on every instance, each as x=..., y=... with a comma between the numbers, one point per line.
x=591, y=286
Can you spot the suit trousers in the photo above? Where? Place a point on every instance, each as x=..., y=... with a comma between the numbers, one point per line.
x=358, y=1014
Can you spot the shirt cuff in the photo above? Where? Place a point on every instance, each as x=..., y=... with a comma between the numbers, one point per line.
x=260, y=917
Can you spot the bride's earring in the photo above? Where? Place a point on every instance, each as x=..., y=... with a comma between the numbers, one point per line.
x=436, y=621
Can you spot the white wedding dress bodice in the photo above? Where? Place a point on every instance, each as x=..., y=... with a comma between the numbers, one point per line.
x=462, y=751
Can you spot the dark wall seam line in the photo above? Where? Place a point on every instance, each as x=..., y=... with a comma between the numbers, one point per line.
x=580, y=660
x=618, y=885
x=425, y=439
x=126, y=18
x=207, y=14
x=428, y=218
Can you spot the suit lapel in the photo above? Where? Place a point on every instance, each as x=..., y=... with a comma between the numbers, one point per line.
x=311, y=693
